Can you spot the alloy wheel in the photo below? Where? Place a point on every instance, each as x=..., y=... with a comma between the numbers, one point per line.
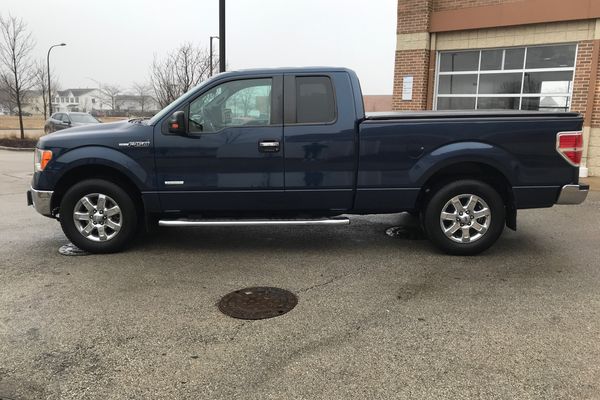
x=97, y=217
x=465, y=218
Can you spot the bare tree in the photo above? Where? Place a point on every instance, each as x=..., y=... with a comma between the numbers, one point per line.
x=244, y=98
x=17, y=73
x=178, y=72
x=6, y=99
x=143, y=91
x=109, y=95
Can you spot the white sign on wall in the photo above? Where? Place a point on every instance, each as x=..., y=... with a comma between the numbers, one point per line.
x=407, y=88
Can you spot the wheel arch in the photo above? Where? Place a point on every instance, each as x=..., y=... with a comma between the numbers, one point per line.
x=472, y=170
x=95, y=171
x=468, y=160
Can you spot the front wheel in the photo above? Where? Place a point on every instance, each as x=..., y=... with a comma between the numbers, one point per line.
x=464, y=217
x=98, y=216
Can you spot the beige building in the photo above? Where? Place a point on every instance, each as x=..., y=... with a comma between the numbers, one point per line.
x=502, y=54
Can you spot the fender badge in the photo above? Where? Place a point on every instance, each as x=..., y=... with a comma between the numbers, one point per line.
x=145, y=143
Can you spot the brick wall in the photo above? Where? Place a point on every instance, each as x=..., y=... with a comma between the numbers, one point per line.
x=583, y=68
x=412, y=56
x=593, y=150
x=444, y=5
x=413, y=63
x=595, y=122
x=414, y=15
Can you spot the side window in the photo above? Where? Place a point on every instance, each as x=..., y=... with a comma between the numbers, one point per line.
x=315, y=102
x=65, y=118
x=57, y=116
x=232, y=104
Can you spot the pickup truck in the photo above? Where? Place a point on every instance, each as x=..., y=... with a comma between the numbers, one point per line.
x=294, y=147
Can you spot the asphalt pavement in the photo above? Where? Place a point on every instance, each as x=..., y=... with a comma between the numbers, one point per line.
x=378, y=317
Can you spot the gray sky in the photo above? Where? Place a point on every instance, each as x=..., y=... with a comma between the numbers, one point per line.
x=115, y=41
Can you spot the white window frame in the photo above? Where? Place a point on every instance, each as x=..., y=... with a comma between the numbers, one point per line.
x=523, y=70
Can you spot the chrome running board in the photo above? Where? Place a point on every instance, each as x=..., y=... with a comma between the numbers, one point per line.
x=253, y=222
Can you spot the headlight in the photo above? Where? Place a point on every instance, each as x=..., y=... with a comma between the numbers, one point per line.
x=41, y=158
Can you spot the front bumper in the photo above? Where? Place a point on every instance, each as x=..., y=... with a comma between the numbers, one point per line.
x=40, y=199
x=573, y=194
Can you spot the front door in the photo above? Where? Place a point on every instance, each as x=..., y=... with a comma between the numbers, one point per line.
x=231, y=158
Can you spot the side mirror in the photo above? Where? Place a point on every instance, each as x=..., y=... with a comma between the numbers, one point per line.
x=177, y=123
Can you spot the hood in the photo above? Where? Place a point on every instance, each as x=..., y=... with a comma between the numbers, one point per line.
x=106, y=134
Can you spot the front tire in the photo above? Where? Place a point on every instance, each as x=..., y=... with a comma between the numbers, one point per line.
x=98, y=216
x=464, y=217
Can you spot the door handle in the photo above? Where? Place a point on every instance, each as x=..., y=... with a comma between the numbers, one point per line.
x=268, y=146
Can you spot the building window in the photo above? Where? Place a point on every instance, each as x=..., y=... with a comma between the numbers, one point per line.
x=523, y=78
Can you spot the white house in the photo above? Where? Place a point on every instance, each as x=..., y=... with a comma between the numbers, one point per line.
x=84, y=100
x=89, y=100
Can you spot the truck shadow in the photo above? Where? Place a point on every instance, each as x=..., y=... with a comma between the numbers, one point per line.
x=363, y=234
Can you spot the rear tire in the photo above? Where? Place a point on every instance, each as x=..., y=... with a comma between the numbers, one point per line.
x=98, y=216
x=464, y=217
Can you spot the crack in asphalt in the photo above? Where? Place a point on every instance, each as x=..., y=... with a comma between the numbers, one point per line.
x=329, y=281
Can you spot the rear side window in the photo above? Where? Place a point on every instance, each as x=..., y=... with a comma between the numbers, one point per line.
x=315, y=102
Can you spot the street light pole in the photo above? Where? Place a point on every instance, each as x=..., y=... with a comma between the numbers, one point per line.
x=212, y=67
x=49, y=87
x=221, y=35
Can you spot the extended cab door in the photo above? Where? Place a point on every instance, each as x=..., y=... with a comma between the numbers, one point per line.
x=231, y=158
x=319, y=141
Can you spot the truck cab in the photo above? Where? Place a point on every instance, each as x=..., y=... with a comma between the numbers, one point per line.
x=244, y=144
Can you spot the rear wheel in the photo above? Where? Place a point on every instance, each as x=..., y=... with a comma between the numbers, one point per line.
x=98, y=216
x=464, y=217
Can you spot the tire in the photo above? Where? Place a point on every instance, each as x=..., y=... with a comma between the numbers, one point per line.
x=94, y=228
x=466, y=227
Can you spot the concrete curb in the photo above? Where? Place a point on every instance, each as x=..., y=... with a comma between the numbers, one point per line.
x=17, y=148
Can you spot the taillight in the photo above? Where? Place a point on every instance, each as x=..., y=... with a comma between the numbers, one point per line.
x=570, y=146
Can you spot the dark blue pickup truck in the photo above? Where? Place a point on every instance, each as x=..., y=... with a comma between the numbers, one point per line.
x=294, y=147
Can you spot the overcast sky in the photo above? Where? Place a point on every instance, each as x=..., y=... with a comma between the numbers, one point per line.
x=115, y=41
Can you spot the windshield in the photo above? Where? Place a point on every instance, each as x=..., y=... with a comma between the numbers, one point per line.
x=163, y=112
x=83, y=119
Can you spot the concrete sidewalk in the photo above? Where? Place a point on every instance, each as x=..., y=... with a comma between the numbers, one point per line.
x=593, y=181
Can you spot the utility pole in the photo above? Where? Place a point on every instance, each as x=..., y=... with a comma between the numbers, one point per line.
x=48, y=64
x=221, y=35
x=212, y=66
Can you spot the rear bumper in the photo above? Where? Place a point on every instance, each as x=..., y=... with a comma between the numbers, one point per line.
x=573, y=194
x=40, y=200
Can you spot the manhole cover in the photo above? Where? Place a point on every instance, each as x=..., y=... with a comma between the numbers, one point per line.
x=70, y=249
x=257, y=303
x=406, y=232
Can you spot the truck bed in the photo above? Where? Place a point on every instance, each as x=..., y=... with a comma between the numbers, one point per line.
x=399, y=151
